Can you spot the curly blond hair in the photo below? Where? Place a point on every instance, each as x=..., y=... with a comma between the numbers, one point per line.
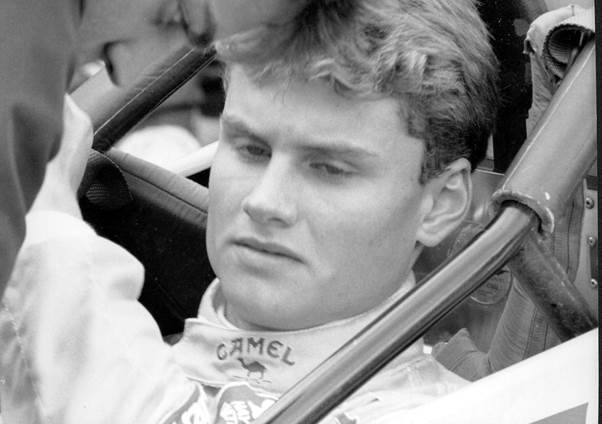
x=433, y=56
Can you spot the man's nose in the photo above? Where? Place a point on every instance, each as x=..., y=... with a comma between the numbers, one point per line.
x=273, y=201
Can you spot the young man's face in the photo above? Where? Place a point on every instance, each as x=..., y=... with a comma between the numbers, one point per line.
x=314, y=203
x=128, y=34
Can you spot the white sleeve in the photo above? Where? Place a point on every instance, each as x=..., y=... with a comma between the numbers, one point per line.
x=75, y=344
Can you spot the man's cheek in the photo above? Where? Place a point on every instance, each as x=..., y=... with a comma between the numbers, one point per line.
x=223, y=216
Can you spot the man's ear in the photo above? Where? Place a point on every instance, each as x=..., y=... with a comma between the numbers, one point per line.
x=445, y=203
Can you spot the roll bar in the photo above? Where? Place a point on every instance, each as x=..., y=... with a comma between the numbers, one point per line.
x=560, y=151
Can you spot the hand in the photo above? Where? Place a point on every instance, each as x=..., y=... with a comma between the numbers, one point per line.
x=65, y=171
x=235, y=16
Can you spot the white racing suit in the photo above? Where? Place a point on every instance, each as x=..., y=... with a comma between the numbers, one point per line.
x=76, y=346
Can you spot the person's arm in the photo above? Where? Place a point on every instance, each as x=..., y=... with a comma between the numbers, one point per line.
x=76, y=344
x=37, y=41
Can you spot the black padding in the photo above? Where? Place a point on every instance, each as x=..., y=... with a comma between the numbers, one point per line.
x=104, y=184
x=163, y=225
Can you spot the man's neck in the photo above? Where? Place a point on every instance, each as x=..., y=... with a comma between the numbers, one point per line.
x=237, y=321
x=234, y=319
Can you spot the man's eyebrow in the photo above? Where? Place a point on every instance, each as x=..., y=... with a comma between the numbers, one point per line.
x=233, y=122
x=336, y=148
x=312, y=145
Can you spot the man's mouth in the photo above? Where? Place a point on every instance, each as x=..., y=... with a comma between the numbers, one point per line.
x=267, y=247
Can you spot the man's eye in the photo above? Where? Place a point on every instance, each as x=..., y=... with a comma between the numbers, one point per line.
x=331, y=170
x=254, y=151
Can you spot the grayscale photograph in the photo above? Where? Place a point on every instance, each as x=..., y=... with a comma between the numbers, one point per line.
x=298, y=212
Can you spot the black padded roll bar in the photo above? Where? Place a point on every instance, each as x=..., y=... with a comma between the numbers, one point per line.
x=115, y=110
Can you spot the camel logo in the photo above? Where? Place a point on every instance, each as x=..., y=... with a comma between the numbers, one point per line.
x=255, y=346
x=255, y=356
x=253, y=368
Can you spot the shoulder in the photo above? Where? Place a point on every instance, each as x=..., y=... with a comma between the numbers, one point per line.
x=393, y=392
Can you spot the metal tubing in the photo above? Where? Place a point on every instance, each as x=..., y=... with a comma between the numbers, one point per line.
x=561, y=150
x=403, y=323
x=116, y=110
x=549, y=287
